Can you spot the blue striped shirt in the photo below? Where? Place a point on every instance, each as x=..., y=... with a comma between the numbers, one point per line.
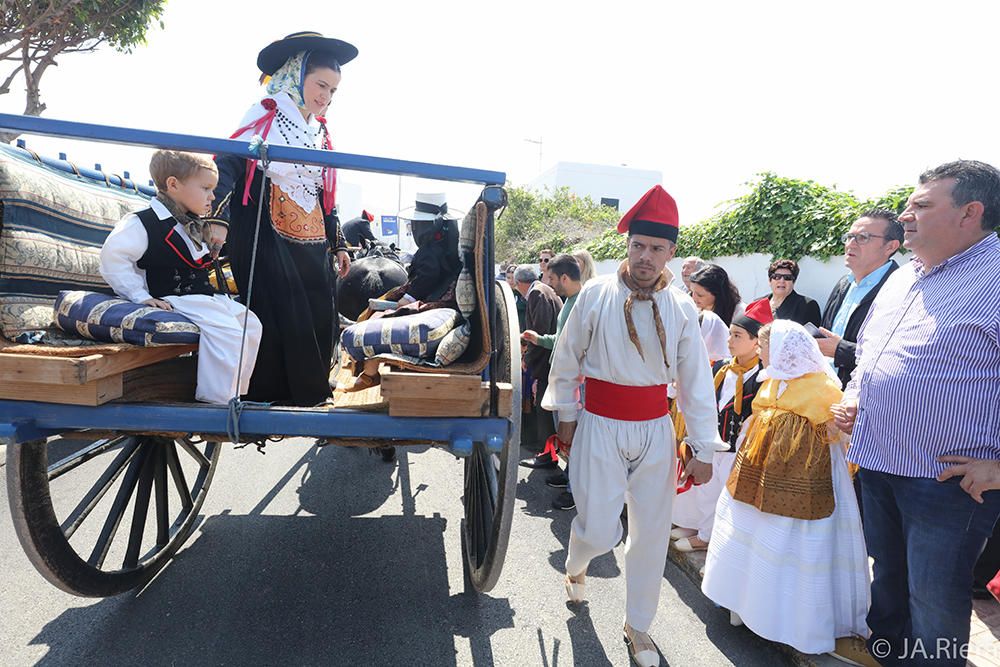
x=928, y=375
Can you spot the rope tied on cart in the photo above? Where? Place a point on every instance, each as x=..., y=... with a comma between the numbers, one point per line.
x=259, y=148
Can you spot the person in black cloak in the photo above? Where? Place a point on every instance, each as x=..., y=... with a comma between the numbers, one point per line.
x=432, y=275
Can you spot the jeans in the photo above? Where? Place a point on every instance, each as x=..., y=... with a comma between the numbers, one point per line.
x=924, y=537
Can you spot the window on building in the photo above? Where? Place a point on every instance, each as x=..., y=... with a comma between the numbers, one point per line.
x=609, y=201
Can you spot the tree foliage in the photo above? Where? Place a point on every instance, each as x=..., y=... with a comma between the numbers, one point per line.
x=33, y=33
x=783, y=217
x=558, y=220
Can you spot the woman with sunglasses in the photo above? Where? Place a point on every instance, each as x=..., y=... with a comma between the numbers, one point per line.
x=786, y=303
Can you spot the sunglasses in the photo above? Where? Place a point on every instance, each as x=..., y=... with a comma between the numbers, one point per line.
x=783, y=276
x=543, y=260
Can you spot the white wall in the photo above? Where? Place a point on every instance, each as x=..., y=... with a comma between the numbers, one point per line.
x=597, y=180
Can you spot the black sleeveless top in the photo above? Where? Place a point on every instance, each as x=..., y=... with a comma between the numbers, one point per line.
x=170, y=268
x=730, y=422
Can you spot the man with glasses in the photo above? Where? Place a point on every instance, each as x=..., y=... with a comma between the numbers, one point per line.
x=868, y=246
x=926, y=389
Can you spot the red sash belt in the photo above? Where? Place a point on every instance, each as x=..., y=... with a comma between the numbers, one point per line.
x=618, y=401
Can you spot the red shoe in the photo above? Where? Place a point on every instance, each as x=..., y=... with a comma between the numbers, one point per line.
x=994, y=586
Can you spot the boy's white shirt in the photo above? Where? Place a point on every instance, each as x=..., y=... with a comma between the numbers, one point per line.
x=126, y=244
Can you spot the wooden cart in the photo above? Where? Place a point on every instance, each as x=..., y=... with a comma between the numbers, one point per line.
x=151, y=454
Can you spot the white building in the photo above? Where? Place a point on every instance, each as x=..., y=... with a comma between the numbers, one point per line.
x=618, y=187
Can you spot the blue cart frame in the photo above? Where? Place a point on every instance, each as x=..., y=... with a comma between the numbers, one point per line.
x=488, y=444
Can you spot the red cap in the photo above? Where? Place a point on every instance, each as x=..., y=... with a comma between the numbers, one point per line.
x=653, y=215
x=756, y=315
x=367, y=216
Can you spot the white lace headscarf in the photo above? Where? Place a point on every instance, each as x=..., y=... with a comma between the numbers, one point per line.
x=793, y=353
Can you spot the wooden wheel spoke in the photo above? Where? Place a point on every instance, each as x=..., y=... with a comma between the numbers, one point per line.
x=81, y=456
x=141, y=509
x=143, y=468
x=177, y=473
x=100, y=488
x=195, y=453
x=484, y=518
x=162, y=499
x=129, y=482
x=471, y=508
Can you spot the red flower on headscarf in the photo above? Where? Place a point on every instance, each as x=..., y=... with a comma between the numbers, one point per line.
x=269, y=104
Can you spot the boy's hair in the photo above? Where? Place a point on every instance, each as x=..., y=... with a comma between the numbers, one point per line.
x=178, y=164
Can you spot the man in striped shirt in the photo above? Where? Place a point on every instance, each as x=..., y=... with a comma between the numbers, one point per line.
x=927, y=385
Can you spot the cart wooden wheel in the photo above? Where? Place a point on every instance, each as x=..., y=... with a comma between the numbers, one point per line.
x=155, y=485
x=491, y=479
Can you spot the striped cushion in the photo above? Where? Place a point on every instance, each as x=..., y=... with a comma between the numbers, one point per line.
x=465, y=286
x=52, y=225
x=108, y=319
x=416, y=335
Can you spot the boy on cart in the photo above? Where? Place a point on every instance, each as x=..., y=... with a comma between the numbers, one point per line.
x=160, y=257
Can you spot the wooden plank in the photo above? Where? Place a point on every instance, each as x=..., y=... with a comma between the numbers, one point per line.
x=505, y=398
x=469, y=404
x=112, y=364
x=429, y=385
x=173, y=380
x=95, y=392
x=436, y=407
x=38, y=369
x=41, y=369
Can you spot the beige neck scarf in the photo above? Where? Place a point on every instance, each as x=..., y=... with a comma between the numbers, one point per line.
x=195, y=227
x=640, y=293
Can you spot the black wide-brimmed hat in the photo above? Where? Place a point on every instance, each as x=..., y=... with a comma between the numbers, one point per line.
x=274, y=55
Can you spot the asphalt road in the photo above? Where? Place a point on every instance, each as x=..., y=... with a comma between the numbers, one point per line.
x=328, y=556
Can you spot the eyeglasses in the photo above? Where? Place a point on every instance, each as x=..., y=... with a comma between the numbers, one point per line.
x=783, y=276
x=543, y=260
x=861, y=237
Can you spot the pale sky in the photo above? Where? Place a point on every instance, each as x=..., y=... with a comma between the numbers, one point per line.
x=864, y=95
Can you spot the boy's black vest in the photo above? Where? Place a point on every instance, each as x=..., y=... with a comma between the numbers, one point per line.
x=730, y=423
x=170, y=268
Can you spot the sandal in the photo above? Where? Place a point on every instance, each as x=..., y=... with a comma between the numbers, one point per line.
x=362, y=382
x=641, y=648
x=686, y=545
x=576, y=591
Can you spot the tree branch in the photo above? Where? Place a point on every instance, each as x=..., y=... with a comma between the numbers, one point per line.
x=5, y=86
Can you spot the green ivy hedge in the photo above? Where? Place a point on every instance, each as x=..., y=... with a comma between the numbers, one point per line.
x=783, y=217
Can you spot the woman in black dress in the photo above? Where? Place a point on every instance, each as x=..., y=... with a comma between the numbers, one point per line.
x=293, y=283
x=786, y=303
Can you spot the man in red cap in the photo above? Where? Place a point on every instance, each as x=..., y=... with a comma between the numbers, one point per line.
x=630, y=335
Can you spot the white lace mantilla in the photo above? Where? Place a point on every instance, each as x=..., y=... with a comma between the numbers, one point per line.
x=793, y=352
x=302, y=183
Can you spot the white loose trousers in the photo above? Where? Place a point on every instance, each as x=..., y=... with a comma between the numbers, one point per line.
x=617, y=462
x=221, y=322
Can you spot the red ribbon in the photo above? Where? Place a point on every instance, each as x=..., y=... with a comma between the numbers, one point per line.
x=329, y=173
x=261, y=126
x=687, y=483
x=553, y=445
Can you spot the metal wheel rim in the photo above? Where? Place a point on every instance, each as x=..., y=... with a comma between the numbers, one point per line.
x=491, y=479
